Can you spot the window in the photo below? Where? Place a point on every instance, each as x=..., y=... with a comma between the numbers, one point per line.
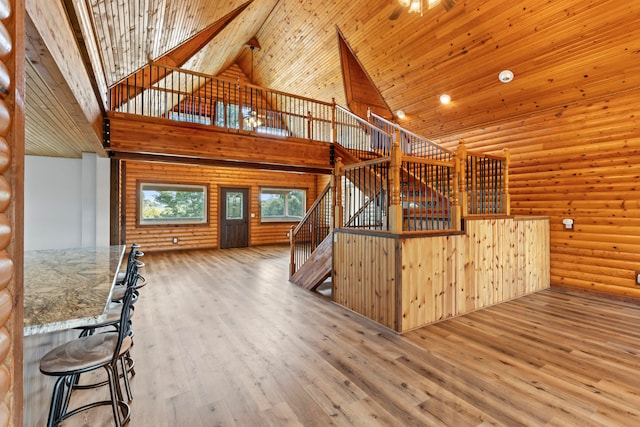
x=234, y=205
x=282, y=204
x=191, y=118
x=170, y=204
x=231, y=120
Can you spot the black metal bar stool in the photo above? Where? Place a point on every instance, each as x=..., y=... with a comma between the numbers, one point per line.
x=74, y=358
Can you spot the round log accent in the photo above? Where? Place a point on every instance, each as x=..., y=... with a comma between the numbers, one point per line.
x=5, y=80
x=5, y=119
x=5, y=155
x=5, y=336
x=5, y=194
x=5, y=41
x=6, y=269
x=6, y=305
x=5, y=9
x=5, y=232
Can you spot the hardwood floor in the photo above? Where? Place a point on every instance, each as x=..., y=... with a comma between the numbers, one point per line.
x=223, y=339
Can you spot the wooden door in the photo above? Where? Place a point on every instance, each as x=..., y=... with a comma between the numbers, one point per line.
x=234, y=221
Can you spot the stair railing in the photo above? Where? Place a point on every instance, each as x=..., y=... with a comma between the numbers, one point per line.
x=363, y=139
x=314, y=227
x=366, y=194
x=412, y=144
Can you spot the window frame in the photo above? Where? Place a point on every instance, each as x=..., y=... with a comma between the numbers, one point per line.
x=282, y=190
x=140, y=222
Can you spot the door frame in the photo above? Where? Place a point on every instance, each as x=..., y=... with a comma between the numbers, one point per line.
x=219, y=214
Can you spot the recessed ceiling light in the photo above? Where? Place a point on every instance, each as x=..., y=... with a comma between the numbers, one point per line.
x=445, y=99
x=400, y=114
x=505, y=76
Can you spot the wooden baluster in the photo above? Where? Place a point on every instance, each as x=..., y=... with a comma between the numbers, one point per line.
x=337, y=193
x=505, y=185
x=461, y=155
x=334, y=130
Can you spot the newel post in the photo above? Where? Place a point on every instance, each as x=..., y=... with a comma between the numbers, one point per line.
x=461, y=155
x=395, y=206
x=336, y=184
x=505, y=188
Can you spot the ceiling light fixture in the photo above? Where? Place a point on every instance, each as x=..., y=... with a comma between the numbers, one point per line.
x=400, y=114
x=445, y=99
x=505, y=76
x=251, y=118
x=415, y=6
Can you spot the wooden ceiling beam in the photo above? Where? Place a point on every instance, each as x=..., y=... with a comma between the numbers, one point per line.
x=51, y=48
x=161, y=158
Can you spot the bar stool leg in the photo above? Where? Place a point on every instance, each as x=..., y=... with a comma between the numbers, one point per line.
x=56, y=402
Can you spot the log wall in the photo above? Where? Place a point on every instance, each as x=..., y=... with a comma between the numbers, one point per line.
x=406, y=282
x=12, y=142
x=579, y=161
x=206, y=236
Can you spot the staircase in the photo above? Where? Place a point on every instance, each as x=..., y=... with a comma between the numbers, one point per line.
x=389, y=179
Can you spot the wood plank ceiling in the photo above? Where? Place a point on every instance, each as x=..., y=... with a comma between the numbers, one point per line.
x=560, y=52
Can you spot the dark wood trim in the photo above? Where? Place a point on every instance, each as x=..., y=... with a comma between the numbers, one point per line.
x=122, y=202
x=215, y=162
x=115, y=190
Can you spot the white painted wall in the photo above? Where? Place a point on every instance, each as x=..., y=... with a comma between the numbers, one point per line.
x=66, y=202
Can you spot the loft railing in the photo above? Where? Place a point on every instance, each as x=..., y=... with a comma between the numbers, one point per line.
x=166, y=92
x=312, y=229
x=411, y=144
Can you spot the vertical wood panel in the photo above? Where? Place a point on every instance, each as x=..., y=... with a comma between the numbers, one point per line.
x=365, y=275
x=191, y=237
x=441, y=276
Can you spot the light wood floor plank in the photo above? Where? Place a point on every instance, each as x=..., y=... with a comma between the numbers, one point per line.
x=223, y=339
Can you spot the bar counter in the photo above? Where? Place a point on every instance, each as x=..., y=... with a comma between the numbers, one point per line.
x=67, y=288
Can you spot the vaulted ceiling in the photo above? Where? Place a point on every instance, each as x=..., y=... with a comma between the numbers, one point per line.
x=560, y=52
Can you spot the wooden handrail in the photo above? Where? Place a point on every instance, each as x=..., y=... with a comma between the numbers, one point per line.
x=408, y=132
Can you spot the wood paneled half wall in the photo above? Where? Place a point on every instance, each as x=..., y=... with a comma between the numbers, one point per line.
x=207, y=235
x=411, y=281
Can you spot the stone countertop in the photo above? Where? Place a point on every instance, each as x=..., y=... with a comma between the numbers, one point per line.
x=67, y=288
